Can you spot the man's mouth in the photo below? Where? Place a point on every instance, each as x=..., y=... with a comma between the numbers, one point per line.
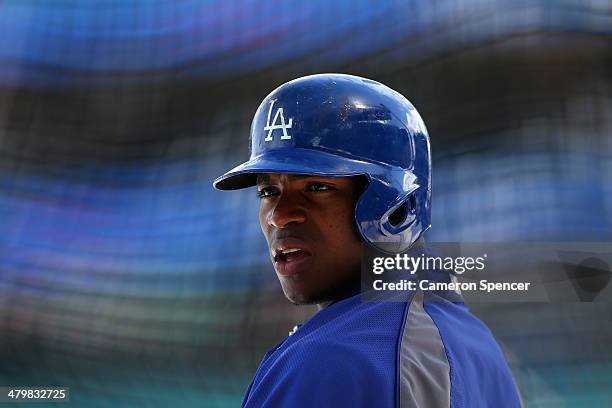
x=288, y=255
x=291, y=261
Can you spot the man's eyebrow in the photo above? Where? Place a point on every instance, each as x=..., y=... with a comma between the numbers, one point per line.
x=263, y=179
x=300, y=176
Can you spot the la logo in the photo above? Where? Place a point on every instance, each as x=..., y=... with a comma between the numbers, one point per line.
x=272, y=127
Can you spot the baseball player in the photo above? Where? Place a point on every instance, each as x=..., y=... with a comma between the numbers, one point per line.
x=339, y=162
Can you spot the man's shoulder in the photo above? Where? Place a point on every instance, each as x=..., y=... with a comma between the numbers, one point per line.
x=470, y=354
x=352, y=315
x=351, y=337
x=326, y=372
x=329, y=354
x=354, y=330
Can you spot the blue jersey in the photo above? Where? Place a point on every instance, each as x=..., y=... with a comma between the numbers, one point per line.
x=428, y=351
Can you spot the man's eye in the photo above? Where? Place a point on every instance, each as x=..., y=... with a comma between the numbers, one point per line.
x=264, y=192
x=320, y=187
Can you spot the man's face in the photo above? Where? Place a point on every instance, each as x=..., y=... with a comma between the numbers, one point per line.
x=309, y=224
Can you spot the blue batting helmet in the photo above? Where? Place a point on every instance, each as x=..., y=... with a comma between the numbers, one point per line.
x=343, y=125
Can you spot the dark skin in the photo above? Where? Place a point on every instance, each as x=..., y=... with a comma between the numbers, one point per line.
x=316, y=215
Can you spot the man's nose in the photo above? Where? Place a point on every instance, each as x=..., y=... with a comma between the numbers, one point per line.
x=287, y=210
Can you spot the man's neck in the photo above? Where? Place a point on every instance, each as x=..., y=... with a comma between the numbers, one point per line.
x=354, y=287
x=351, y=288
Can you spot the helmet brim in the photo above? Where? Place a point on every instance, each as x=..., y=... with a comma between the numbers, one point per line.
x=293, y=161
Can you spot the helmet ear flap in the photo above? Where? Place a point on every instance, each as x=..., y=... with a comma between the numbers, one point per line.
x=400, y=214
x=385, y=220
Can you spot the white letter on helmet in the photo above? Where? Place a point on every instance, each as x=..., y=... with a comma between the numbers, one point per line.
x=272, y=127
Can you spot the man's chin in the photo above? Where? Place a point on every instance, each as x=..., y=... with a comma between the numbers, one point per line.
x=300, y=295
x=301, y=299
